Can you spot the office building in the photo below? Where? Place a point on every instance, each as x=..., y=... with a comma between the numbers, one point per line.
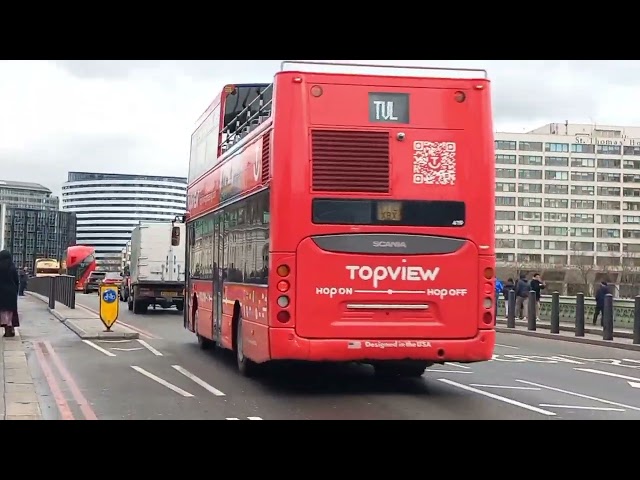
x=108, y=206
x=27, y=195
x=30, y=234
x=569, y=195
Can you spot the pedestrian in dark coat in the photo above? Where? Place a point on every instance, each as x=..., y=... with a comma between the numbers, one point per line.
x=600, y=296
x=9, y=285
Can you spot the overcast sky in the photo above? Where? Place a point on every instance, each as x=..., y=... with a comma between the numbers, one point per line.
x=137, y=116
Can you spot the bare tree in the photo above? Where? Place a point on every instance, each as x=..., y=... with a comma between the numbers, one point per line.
x=583, y=263
x=627, y=275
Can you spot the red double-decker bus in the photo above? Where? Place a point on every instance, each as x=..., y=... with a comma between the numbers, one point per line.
x=341, y=217
x=79, y=261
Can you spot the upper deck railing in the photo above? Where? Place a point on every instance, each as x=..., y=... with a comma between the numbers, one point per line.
x=246, y=121
x=382, y=66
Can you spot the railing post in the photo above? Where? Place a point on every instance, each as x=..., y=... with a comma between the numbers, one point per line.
x=580, y=314
x=607, y=318
x=532, y=313
x=636, y=321
x=71, y=292
x=52, y=293
x=555, y=312
x=511, y=309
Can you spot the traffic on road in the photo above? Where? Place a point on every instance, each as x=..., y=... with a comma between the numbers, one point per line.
x=164, y=374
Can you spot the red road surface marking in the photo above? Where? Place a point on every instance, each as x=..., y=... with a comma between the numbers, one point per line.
x=61, y=402
x=85, y=407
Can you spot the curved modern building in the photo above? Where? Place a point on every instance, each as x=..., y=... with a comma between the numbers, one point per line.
x=108, y=206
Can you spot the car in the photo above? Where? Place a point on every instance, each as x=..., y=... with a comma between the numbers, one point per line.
x=93, y=282
x=111, y=278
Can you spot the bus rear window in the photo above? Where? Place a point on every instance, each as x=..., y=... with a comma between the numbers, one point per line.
x=414, y=213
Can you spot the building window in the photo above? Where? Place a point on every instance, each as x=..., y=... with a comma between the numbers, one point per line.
x=530, y=216
x=555, y=245
x=609, y=149
x=556, y=161
x=583, y=148
x=557, y=147
x=583, y=176
x=635, y=234
x=607, y=247
x=608, y=205
x=505, y=229
x=505, y=159
x=609, y=177
x=582, y=190
x=609, y=163
x=505, y=215
x=529, y=258
x=609, y=191
x=631, y=192
x=581, y=246
x=529, y=244
x=633, y=206
x=530, y=174
x=506, y=257
x=581, y=232
x=583, y=162
x=528, y=230
x=631, y=150
x=505, y=243
x=631, y=219
x=505, y=145
x=608, y=233
x=505, y=173
x=631, y=164
x=556, y=175
x=581, y=218
x=554, y=189
x=505, y=187
x=556, y=231
x=530, y=146
x=505, y=201
x=531, y=160
x=556, y=203
x=555, y=217
x=608, y=219
x=631, y=178
x=530, y=188
x=529, y=202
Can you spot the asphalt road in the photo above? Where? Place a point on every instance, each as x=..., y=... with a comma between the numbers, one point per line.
x=164, y=375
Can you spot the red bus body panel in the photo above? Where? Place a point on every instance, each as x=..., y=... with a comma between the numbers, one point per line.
x=436, y=299
x=80, y=261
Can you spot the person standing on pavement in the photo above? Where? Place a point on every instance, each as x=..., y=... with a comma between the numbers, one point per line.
x=24, y=279
x=9, y=285
x=537, y=285
x=522, y=293
x=499, y=288
x=508, y=286
x=603, y=289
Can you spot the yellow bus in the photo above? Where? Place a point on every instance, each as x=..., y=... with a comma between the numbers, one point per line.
x=47, y=267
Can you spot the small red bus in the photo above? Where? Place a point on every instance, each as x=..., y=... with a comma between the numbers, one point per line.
x=80, y=261
x=341, y=217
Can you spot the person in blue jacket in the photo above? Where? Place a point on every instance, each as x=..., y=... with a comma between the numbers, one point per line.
x=499, y=288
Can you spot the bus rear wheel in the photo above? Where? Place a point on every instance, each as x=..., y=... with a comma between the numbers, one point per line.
x=406, y=369
x=246, y=367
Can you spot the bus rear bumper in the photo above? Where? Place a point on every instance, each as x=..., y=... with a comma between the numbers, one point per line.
x=286, y=345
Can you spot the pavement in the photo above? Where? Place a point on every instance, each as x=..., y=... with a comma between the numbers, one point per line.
x=18, y=397
x=164, y=375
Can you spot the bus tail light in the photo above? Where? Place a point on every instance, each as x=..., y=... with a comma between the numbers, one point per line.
x=487, y=318
x=487, y=303
x=283, y=301
x=283, y=286
x=486, y=285
x=283, y=270
x=316, y=91
x=488, y=273
x=283, y=316
x=460, y=96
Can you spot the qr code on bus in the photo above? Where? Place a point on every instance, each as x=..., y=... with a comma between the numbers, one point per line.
x=434, y=163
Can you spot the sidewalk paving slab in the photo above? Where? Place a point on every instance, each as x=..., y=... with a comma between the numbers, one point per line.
x=85, y=324
x=18, y=397
x=592, y=336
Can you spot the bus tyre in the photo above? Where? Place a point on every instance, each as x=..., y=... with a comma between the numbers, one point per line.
x=246, y=367
x=409, y=369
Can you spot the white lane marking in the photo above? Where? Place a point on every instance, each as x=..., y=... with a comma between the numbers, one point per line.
x=150, y=348
x=580, y=395
x=634, y=384
x=126, y=349
x=254, y=418
x=515, y=403
x=155, y=378
x=199, y=381
x=576, y=407
x=630, y=360
x=608, y=374
x=99, y=348
x=506, y=387
x=507, y=346
x=435, y=370
x=457, y=365
x=233, y=419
